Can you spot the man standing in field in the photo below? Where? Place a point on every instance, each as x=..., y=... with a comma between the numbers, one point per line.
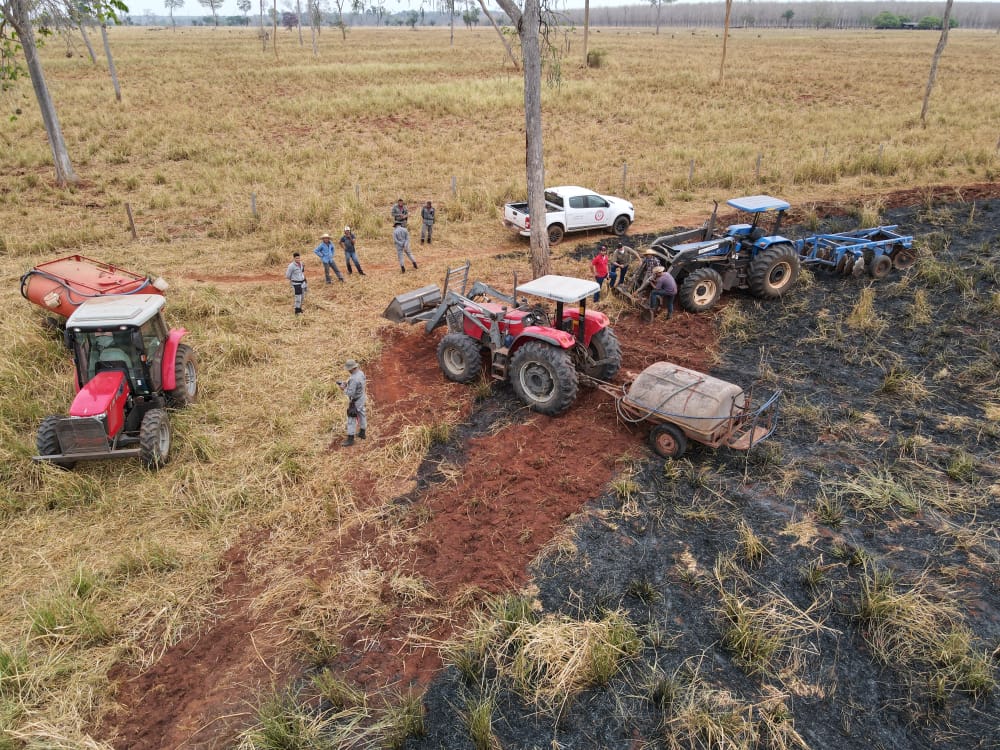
x=400, y=213
x=354, y=389
x=600, y=266
x=296, y=275
x=350, y=251
x=401, y=237
x=324, y=251
x=427, y=215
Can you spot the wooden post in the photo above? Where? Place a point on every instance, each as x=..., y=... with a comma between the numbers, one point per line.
x=757, y=168
x=691, y=173
x=253, y=205
x=131, y=221
x=357, y=190
x=454, y=186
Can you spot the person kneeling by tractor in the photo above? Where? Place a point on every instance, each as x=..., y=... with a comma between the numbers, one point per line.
x=663, y=287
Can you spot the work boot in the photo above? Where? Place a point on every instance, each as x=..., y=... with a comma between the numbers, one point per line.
x=421, y=240
x=298, y=310
x=361, y=272
x=363, y=433
x=414, y=264
x=402, y=269
x=348, y=442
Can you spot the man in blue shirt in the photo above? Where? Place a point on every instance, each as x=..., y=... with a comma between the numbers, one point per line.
x=324, y=251
x=350, y=251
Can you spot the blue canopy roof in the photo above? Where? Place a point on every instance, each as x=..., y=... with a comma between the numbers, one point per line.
x=755, y=204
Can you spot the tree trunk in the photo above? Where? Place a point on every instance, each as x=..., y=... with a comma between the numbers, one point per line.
x=725, y=38
x=312, y=32
x=111, y=62
x=274, y=37
x=503, y=39
x=586, y=32
x=86, y=41
x=298, y=16
x=451, y=20
x=659, y=7
x=528, y=24
x=945, y=23
x=263, y=34
x=21, y=22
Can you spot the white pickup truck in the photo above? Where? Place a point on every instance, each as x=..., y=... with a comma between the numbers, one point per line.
x=572, y=209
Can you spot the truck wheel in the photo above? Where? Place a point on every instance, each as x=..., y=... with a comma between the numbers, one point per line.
x=621, y=225
x=47, y=441
x=544, y=378
x=903, y=258
x=186, y=374
x=604, y=346
x=774, y=271
x=880, y=266
x=701, y=289
x=154, y=439
x=667, y=441
x=460, y=357
x=556, y=233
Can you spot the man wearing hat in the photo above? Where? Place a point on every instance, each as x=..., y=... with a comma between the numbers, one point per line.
x=644, y=277
x=354, y=388
x=400, y=214
x=324, y=252
x=350, y=251
x=664, y=287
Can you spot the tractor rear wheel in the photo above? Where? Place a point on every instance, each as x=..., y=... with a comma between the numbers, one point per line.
x=186, y=377
x=880, y=266
x=621, y=225
x=774, y=271
x=154, y=439
x=604, y=347
x=556, y=233
x=701, y=289
x=460, y=357
x=667, y=441
x=544, y=378
x=47, y=441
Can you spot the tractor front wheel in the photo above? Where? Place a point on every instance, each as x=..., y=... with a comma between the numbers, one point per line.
x=47, y=441
x=154, y=439
x=556, y=233
x=701, y=289
x=667, y=441
x=544, y=378
x=604, y=348
x=186, y=377
x=460, y=357
x=880, y=266
x=774, y=271
x=621, y=225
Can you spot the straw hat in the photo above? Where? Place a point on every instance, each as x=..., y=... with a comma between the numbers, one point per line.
x=325, y=236
x=659, y=269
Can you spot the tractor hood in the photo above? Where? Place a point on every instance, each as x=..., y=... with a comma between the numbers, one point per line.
x=104, y=395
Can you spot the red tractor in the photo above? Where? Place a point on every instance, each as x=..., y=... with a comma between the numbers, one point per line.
x=129, y=366
x=544, y=357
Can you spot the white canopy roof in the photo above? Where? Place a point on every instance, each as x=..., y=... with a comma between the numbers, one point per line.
x=116, y=310
x=559, y=288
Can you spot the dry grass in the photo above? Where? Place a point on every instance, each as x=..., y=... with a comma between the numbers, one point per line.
x=207, y=122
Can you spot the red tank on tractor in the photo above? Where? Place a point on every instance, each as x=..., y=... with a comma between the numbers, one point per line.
x=129, y=366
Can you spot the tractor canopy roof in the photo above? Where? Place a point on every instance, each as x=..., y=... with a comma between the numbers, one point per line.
x=116, y=310
x=559, y=288
x=756, y=204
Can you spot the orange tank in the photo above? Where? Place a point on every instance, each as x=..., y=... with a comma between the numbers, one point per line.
x=59, y=286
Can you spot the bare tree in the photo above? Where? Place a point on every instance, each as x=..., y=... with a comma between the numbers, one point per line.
x=942, y=41
x=725, y=38
x=79, y=13
x=658, y=4
x=172, y=5
x=298, y=20
x=111, y=60
x=212, y=5
x=586, y=33
x=528, y=24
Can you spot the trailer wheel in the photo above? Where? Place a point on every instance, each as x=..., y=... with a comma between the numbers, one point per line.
x=667, y=441
x=604, y=346
x=701, y=289
x=904, y=257
x=47, y=441
x=154, y=439
x=460, y=357
x=621, y=225
x=880, y=266
x=186, y=374
x=544, y=378
x=556, y=233
x=774, y=271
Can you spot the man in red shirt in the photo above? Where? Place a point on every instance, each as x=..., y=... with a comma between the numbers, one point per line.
x=600, y=266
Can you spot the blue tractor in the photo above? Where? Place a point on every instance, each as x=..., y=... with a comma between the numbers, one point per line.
x=745, y=256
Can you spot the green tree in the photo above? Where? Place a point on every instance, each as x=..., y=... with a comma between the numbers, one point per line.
x=212, y=5
x=788, y=15
x=17, y=38
x=471, y=17
x=929, y=22
x=172, y=5
x=887, y=20
x=244, y=6
x=411, y=19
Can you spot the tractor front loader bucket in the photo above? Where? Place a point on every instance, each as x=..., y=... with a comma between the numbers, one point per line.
x=414, y=307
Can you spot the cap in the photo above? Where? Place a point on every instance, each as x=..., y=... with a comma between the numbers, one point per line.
x=351, y=364
x=659, y=269
x=325, y=236
x=347, y=229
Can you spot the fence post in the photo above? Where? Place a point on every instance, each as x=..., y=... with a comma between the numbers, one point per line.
x=253, y=205
x=757, y=168
x=454, y=186
x=131, y=221
x=691, y=173
x=357, y=191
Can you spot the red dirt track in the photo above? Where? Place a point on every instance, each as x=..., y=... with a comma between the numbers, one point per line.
x=477, y=536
